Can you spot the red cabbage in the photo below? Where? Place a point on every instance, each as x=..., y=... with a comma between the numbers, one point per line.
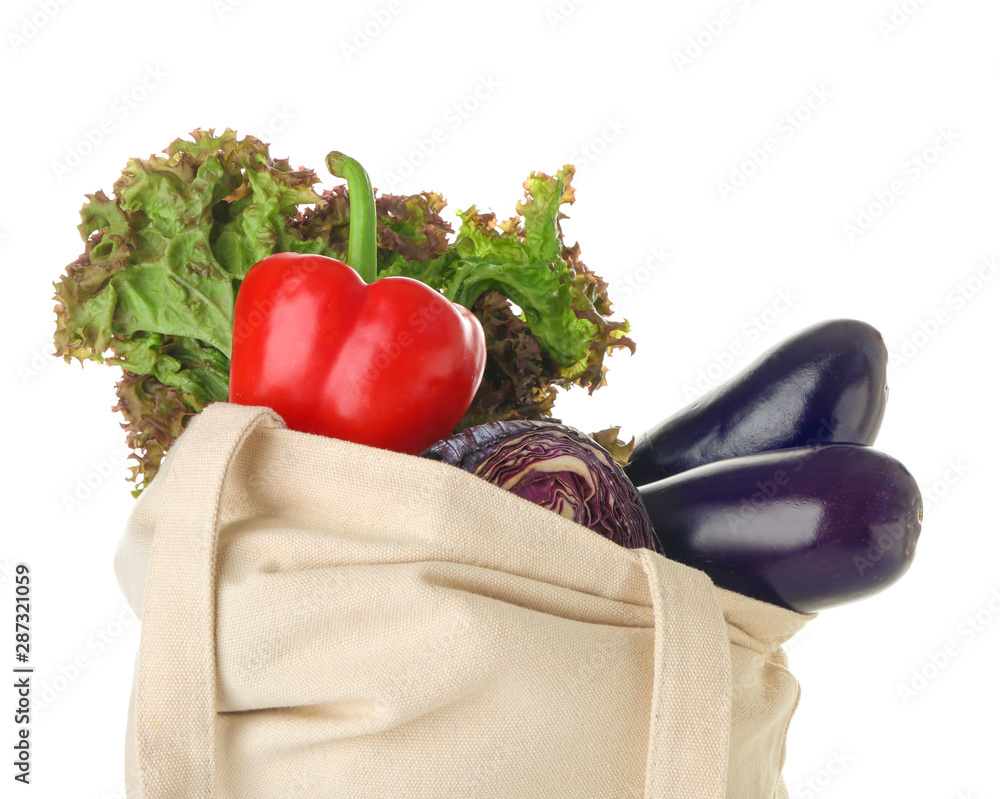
x=556, y=467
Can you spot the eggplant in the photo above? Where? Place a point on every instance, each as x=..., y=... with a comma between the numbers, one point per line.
x=806, y=528
x=826, y=384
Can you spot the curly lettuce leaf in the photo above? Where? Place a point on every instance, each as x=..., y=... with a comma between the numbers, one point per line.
x=620, y=451
x=525, y=258
x=564, y=329
x=164, y=256
x=544, y=292
x=155, y=287
x=517, y=382
x=155, y=415
x=410, y=229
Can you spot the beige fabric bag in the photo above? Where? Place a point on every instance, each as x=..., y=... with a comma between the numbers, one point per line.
x=323, y=619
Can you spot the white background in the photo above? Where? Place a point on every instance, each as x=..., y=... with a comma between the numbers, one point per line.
x=659, y=107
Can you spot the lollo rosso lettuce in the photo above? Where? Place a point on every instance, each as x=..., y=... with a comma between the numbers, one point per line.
x=154, y=289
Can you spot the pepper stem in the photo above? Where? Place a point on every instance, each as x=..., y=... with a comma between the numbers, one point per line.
x=362, y=252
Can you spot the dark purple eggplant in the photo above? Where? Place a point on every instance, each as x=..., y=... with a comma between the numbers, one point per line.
x=823, y=385
x=556, y=467
x=806, y=528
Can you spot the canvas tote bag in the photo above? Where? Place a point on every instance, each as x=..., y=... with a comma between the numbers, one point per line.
x=327, y=620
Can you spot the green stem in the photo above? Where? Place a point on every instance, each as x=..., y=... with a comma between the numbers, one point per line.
x=362, y=242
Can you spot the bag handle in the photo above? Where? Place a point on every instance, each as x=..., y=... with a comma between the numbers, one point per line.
x=689, y=721
x=690, y=713
x=176, y=740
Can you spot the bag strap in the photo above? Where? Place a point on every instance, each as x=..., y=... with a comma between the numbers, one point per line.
x=176, y=738
x=689, y=722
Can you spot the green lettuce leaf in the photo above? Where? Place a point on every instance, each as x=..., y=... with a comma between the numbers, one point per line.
x=410, y=229
x=561, y=329
x=155, y=287
x=154, y=290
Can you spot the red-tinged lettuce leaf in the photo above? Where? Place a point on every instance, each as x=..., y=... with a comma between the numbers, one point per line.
x=198, y=371
x=619, y=450
x=526, y=259
x=165, y=382
x=155, y=415
x=411, y=228
x=544, y=292
x=408, y=228
x=562, y=330
x=154, y=290
x=517, y=382
x=155, y=287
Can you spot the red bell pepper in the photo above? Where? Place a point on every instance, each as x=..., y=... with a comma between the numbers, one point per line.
x=387, y=362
